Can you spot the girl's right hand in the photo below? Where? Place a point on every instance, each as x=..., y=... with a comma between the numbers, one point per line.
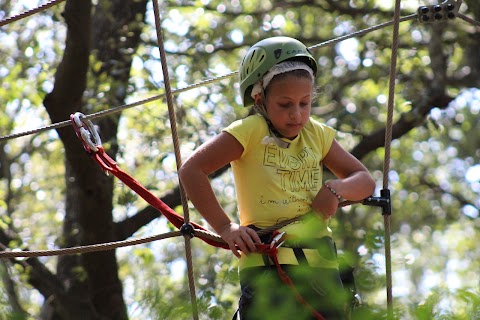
x=240, y=237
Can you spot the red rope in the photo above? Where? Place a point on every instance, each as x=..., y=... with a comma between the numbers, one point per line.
x=91, y=141
x=109, y=165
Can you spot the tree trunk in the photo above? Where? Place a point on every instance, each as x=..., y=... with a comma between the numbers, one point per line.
x=91, y=279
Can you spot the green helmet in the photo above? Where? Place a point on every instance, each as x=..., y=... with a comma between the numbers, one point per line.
x=265, y=54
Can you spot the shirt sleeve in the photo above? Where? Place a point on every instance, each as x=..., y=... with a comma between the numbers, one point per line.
x=326, y=135
x=248, y=130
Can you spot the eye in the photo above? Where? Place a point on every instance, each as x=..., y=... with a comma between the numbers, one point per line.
x=304, y=104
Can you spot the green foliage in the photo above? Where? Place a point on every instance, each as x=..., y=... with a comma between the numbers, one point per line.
x=434, y=192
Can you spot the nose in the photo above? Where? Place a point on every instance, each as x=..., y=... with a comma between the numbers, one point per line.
x=295, y=113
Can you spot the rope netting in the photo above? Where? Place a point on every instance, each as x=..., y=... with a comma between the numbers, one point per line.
x=83, y=128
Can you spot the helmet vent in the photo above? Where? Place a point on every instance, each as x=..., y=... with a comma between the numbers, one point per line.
x=253, y=55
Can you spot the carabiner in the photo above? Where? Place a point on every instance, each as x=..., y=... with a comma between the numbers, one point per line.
x=276, y=239
x=85, y=130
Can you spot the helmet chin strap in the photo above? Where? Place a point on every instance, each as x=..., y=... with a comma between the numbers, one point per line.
x=274, y=134
x=279, y=142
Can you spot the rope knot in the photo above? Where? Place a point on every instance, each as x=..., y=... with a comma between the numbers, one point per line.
x=271, y=249
x=187, y=229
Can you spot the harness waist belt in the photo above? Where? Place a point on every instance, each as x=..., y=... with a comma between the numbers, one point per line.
x=320, y=252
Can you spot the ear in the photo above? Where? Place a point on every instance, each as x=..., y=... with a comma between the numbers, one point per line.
x=258, y=99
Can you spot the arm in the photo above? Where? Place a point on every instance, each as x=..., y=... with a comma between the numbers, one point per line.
x=353, y=182
x=194, y=173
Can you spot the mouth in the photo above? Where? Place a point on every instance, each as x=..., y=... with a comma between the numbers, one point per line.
x=294, y=125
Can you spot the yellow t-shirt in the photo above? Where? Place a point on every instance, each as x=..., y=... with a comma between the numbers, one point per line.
x=274, y=183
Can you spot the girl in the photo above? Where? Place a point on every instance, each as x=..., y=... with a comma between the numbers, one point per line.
x=277, y=156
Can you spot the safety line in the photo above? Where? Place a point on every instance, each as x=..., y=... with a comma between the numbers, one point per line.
x=9, y=253
x=114, y=110
x=362, y=32
x=87, y=248
x=30, y=12
x=204, y=234
x=468, y=19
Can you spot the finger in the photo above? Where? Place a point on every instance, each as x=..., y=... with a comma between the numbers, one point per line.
x=233, y=248
x=249, y=242
x=243, y=247
x=254, y=235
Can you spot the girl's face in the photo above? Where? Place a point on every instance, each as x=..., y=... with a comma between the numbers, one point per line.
x=288, y=103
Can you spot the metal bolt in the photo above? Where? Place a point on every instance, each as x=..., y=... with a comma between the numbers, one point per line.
x=424, y=10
